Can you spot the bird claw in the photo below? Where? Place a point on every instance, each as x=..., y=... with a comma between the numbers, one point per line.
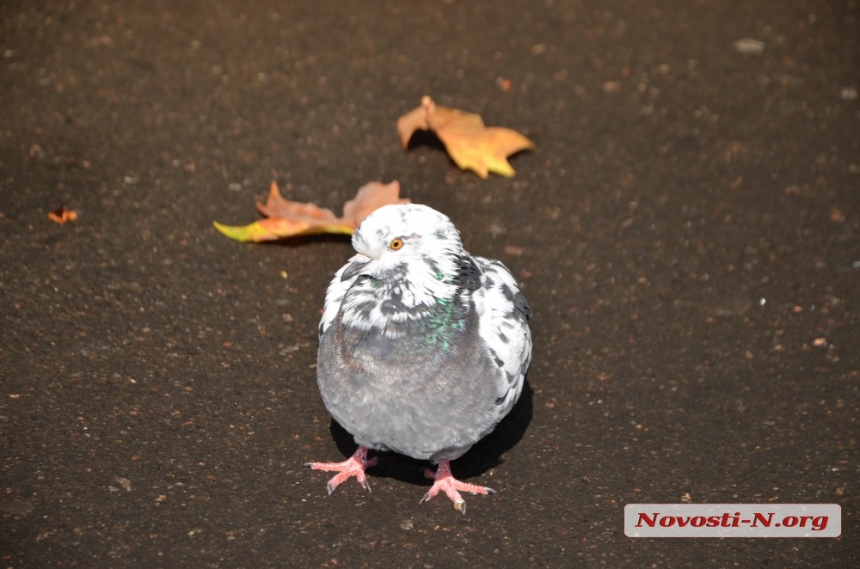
x=353, y=466
x=444, y=481
x=331, y=485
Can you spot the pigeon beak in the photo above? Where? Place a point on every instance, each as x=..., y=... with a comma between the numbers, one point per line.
x=356, y=265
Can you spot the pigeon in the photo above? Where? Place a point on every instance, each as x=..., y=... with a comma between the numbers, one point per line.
x=423, y=347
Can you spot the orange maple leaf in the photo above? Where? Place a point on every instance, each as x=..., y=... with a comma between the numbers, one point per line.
x=471, y=144
x=285, y=218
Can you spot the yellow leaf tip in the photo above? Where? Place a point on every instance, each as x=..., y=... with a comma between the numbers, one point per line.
x=238, y=233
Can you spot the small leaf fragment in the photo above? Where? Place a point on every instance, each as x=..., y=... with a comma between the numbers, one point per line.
x=285, y=218
x=62, y=215
x=471, y=145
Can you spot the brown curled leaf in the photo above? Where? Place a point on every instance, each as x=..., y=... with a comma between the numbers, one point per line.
x=286, y=218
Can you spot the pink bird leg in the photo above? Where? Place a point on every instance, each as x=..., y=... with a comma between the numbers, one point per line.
x=445, y=481
x=353, y=466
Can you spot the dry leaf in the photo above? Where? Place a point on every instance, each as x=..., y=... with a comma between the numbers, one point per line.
x=285, y=218
x=63, y=215
x=471, y=144
x=369, y=198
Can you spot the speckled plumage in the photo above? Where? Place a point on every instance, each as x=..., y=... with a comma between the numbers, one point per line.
x=423, y=348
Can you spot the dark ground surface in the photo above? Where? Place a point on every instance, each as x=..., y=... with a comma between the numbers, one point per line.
x=687, y=232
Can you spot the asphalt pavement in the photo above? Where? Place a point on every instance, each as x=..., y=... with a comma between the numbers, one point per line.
x=687, y=232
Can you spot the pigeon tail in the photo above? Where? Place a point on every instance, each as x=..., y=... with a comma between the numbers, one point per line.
x=353, y=466
x=443, y=480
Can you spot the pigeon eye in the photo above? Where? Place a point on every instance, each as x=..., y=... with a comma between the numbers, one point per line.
x=396, y=244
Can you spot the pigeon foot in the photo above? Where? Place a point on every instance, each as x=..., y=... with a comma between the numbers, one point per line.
x=353, y=466
x=445, y=481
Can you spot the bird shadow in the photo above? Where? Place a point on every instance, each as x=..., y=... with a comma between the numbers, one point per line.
x=486, y=454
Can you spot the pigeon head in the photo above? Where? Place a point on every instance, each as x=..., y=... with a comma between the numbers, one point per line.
x=406, y=245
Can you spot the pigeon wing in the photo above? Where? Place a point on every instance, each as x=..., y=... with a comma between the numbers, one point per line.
x=503, y=313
